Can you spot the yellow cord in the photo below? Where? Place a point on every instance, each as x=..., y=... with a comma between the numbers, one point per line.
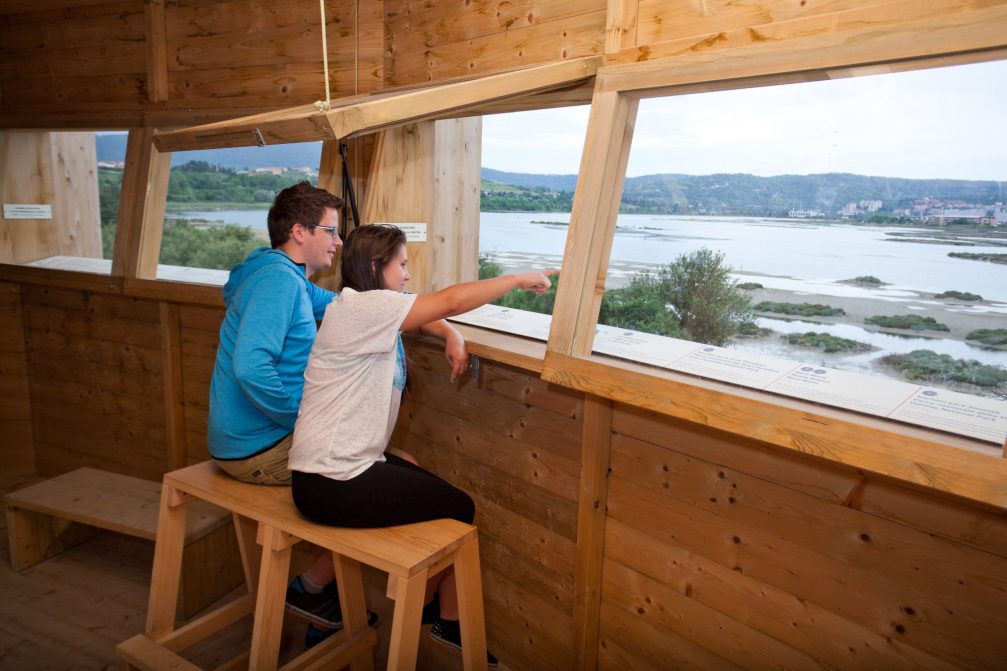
x=324, y=106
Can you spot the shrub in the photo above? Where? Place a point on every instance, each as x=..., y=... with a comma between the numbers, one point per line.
x=960, y=295
x=866, y=279
x=802, y=309
x=911, y=322
x=989, y=336
x=826, y=342
x=927, y=365
x=749, y=286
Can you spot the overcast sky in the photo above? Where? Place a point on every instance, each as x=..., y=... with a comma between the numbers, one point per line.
x=939, y=123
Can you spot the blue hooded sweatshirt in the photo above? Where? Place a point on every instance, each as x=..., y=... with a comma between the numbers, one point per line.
x=258, y=376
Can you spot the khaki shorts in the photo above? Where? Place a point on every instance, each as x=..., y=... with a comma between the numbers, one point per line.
x=265, y=468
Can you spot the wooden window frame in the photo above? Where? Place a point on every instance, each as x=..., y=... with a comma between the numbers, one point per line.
x=960, y=466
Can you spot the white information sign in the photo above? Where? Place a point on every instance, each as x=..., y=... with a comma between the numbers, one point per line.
x=415, y=232
x=26, y=211
x=954, y=412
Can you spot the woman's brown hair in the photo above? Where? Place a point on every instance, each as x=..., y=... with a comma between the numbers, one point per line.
x=366, y=252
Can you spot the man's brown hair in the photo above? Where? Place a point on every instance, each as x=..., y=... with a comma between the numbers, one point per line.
x=302, y=204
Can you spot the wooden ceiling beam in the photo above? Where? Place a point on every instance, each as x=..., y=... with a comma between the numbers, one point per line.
x=363, y=114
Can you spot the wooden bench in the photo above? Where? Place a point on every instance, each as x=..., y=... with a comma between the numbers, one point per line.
x=52, y=516
x=268, y=525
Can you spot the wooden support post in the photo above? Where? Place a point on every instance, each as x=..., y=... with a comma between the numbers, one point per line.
x=174, y=404
x=595, y=458
x=167, y=564
x=352, y=603
x=406, y=621
x=265, y=648
x=246, y=529
x=141, y=207
x=621, y=18
x=470, y=606
x=157, y=51
x=592, y=223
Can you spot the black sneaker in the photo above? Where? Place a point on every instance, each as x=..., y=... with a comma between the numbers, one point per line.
x=449, y=632
x=322, y=608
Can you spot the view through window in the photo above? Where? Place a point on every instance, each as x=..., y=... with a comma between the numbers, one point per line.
x=217, y=204
x=841, y=241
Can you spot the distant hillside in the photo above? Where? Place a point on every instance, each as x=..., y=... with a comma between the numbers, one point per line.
x=113, y=148
x=720, y=194
x=742, y=194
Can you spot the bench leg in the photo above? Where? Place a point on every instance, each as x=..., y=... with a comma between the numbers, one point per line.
x=167, y=569
x=276, y=549
x=34, y=537
x=352, y=603
x=251, y=554
x=405, y=642
x=470, y=606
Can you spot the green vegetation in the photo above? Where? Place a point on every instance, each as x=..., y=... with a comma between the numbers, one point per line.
x=692, y=297
x=826, y=342
x=929, y=366
x=911, y=322
x=218, y=247
x=992, y=258
x=801, y=309
x=866, y=279
x=750, y=286
x=200, y=182
x=989, y=336
x=497, y=197
x=183, y=243
x=960, y=295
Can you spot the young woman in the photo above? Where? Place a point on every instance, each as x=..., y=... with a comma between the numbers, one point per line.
x=352, y=388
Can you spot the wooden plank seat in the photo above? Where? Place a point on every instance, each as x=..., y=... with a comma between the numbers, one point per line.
x=49, y=517
x=267, y=526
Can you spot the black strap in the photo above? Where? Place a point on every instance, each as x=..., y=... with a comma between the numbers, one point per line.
x=348, y=196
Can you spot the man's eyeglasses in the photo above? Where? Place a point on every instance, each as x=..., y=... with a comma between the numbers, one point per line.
x=333, y=231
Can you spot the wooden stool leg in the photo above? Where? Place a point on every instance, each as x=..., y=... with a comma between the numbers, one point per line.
x=265, y=649
x=167, y=563
x=352, y=603
x=405, y=641
x=470, y=606
x=245, y=529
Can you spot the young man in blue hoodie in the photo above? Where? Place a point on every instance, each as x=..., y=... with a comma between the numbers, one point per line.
x=265, y=339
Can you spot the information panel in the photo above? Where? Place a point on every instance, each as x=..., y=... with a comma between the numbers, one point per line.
x=941, y=409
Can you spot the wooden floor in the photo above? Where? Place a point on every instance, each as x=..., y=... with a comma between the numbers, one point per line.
x=69, y=612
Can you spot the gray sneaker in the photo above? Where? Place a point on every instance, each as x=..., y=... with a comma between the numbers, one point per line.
x=449, y=632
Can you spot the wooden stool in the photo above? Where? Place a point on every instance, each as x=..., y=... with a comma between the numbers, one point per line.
x=268, y=525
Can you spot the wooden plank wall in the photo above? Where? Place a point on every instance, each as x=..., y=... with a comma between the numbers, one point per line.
x=200, y=328
x=94, y=366
x=15, y=404
x=89, y=64
x=513, y=442
x=719, y=552
x=427, y=41
x=724, y=553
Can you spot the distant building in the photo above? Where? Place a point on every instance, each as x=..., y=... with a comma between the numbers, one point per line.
x=942, y=217
x=113, y=165
x=273, y=170
x=805, y=214
x=870, y=205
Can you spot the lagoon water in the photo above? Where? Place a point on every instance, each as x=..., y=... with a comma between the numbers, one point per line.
x=787, y=254
x=784, y=248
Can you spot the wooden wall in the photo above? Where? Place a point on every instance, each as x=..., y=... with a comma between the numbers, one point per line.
x=719, y=552
x=513, y=442
x=15, y=404
x=439, y=40
x=129, y=63
x=56, y=169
